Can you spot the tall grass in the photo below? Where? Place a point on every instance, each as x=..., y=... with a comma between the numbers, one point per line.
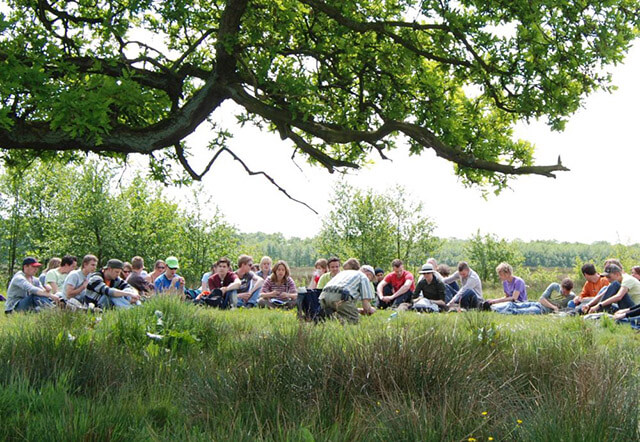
x=262, y=375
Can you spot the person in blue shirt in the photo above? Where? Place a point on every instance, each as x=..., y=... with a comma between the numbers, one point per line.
x=170, y=280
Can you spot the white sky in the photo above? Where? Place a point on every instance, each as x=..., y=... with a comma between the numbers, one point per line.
x=594, y=201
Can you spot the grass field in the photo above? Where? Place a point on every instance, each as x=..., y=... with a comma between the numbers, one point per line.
x=262, y=375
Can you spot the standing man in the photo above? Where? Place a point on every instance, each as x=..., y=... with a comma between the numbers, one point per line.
x=397, y=287
x=77, y=281
x=107, y=289
x=170, y=280
x=250, y=283
x=470, y=294
x=55, y=277
x=340, y=294
x=334, y=269
x=25, y=292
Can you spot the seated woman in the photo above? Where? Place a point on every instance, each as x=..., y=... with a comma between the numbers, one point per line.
x=322, y=267
x=279, y=289
x=514, y=287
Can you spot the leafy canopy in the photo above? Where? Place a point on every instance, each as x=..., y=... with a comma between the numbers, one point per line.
x=338, y=78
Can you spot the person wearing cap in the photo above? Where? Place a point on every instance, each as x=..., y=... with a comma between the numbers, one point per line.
x=339, y=296
x=170, y=280
x=25, y=291
x=430, y=287
x=623, y=291
x=107, y=289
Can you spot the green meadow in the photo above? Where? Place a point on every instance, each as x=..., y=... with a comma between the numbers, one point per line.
x=263, y=375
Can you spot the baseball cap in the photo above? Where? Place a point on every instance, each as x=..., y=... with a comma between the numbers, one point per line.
x=378, y=271
x=114, y=264
x=427, y=268
x=612, y=268
x=30, y=261
x=172, y=262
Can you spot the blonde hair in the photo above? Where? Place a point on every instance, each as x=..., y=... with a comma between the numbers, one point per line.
x=53, y=263
x=504, y=268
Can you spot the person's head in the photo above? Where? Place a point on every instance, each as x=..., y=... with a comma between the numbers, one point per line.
x=613, y=272
x=223, y=266
x=30, y=266
x=265, y=265
x=351, y=264
x=281, y=272
x=255, y=267
x=322, y=266
x=334, y=265
x=126, y=270
x=112, y=269
x=566, y=286
x=433, y=263
x=427, y=271
x=444, y=270
x=635, y=272
x=398, y=266
x=379, y=274
x=244, y=263
x=89, y=264
x=172, y=266
x=589, y=272
x=137, y=264
x=368, y=271
x=505, y=271
x=613, y=261
x=463, y=269
x=160, y=266
x=68, y=263
x=53, y=263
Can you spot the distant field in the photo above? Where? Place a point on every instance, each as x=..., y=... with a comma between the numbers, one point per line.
x=262, y=375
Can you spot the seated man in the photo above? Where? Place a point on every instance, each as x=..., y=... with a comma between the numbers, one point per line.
x=25, y=292
x=470, y=294
x=223, y=287
x=170, y=280
x=334, y=269
x=397, y=287
x=554, y=298
x=623, y=292
x=55, y=277
x=250, y=283
x=430, y=287
x=514, y=287
x=341, y=293
x=77, y=281
x=591, y=287
x=451, y=288
x=204, y=281
x=106, y=289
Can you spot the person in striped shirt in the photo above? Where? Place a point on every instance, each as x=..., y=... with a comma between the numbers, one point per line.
x=339, y=296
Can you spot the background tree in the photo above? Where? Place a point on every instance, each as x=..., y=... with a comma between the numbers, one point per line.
x=485, y=252
x=339, y=79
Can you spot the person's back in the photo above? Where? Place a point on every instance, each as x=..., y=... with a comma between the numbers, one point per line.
x=633, y=286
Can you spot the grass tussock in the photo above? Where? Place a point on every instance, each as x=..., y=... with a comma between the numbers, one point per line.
x=262, y=375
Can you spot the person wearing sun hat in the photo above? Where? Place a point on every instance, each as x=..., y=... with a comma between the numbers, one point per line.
x=170, y=280
x=25, y=291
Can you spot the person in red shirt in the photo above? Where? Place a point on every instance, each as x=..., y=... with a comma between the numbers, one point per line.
x=397, y=287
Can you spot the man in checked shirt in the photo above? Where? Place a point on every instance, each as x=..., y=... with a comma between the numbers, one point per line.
x=341, y=293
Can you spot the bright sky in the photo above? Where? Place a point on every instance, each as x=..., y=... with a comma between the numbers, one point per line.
x=594, y=201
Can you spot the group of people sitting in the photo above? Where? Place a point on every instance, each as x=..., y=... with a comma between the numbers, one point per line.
x=334, y=289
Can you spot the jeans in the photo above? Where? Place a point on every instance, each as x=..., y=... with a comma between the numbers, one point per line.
x=612, y=289
x=388, y=291
x=469, y=299
x=31, y=302
x=253, y=300
x=112, y=301
x=519, y=308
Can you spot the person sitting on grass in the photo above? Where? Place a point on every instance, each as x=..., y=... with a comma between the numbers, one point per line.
x=250, y=283
x=623, y=292
x=76, y=283
x=265, y=267
x=430, y=288
x=223, y=287
x=379, y=278
x=397, y=287
x=25, y=291
x=279, y=289
x=204, y=281
x=322, y=267
x=470, y=294
x=170, y=280
x=334, y=268
x=513, y=286
x=106, y=289
x=635, y=272
x=554, y=298
x=629, y=315
x=339, y=296
x=158, y=269
x=55, y=277
x=451, y=288
x=594, y=283
x=53, y=263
